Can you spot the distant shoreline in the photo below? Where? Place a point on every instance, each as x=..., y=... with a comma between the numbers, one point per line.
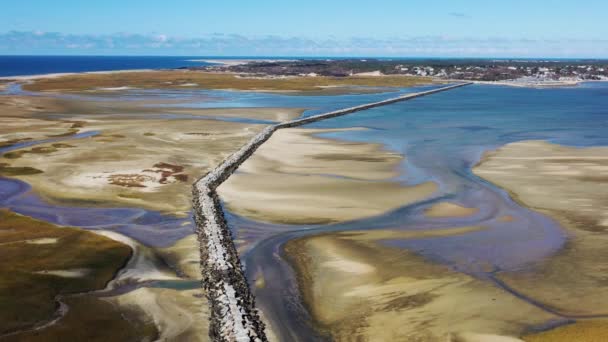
x=233, y=62
x=61, y=74
x=17, y=66
x=542, y=84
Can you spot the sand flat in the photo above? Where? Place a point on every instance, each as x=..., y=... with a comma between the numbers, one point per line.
x=135, y=161
x=184, y=256
x=143, y=163
x=449, y=209
x=71, y=273
x=178, y=315
x=586, y=331
x=568, y=184
x=410, y=300
x=298, y=177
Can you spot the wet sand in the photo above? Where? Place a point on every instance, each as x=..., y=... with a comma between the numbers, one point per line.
x=141, y=162
x=15, y=105
x=353, y=293
x=585, y=331
x=449, y=209
x=125, y=154
x=298, y=177
x=184, y=256
x=568, y=184
x=148, y=164
x=179, y=315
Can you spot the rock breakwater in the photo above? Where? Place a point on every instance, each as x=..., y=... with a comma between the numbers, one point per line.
x=232, y=305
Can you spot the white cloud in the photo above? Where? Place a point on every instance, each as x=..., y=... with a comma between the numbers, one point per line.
x=38, y=42
x=459, y=15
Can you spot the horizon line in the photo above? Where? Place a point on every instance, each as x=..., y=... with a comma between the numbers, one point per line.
x=304, y=57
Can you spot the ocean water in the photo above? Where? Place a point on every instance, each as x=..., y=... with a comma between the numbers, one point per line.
x=37, y=65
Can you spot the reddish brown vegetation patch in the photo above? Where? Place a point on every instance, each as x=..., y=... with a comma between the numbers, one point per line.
x=132, y=180
x=172, y=167
x=181, y=177
x=136, y=180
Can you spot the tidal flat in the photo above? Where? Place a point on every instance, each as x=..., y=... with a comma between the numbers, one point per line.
x=370, y=226
x=568, y=184
x=300, y=178
x=119, y=162
x=353, y=295
x=121, y=167
x=459, y=262
x=37, y=258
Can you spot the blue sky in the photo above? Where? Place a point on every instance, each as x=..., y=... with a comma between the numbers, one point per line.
x=272, y=27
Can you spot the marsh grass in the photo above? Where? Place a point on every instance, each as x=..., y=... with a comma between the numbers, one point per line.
x=27, y=297
x=9, y=171
x=36, y=150
x=9, y=143
x=70, y=132
x=206, y=80
x=108, y=323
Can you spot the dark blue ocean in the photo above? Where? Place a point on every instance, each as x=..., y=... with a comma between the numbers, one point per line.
x=37, y=65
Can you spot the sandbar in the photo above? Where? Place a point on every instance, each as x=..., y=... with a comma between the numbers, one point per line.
x=298, y=177
x=449, y=209
x=353, y=295
x=568, y=184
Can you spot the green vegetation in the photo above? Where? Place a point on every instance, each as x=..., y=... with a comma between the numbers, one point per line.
x=62, y=145
x=106, y=324
x=29, y=248
x=9, y=143
x=36, y=150
x=9, y=171
x=70, y=132
x=206, y=80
